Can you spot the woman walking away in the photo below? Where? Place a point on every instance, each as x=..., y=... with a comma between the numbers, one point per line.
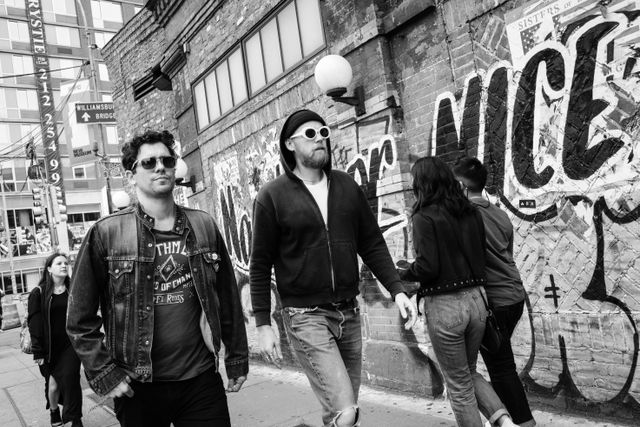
x=52, y=351
x=448, y=239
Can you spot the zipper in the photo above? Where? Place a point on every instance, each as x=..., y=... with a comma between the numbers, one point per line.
x=326, y=226
x=333, y=275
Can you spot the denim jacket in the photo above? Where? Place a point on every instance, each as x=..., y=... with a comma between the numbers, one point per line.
x=114, y=273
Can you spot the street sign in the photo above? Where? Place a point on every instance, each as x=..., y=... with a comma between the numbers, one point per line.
x=95, y=112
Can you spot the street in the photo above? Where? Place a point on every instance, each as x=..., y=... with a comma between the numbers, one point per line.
x=270, y=398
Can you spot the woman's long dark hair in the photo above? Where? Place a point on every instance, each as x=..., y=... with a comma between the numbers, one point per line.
x=434, y=184
x=46, y=281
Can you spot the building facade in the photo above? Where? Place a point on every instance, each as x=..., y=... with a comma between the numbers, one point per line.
x=546, y=93
x=50, y=60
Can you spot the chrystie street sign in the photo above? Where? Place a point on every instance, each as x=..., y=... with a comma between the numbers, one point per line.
x=95, y=112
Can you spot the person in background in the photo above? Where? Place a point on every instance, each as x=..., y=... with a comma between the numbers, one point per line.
x=30, y=240
x=505, y=291
x=311, y=223
x=52, y=350
x=448, y=239
x=163, y=280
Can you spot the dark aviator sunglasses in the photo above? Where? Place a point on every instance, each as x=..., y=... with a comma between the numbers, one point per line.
x=150, y=162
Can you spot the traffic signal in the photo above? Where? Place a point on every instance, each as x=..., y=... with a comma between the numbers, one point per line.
x=59, y=207
x=39, y=215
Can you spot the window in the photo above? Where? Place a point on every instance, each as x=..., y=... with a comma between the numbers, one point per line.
x=20, y=278
x=62, y=36
x=283, y=42
x=6, y=138
x=103, y=73
x=67, y=69
x=102, y=38
x=112, y=134
x=14, y=134
x=58, y=7
x=27, y=99
x=79, y=172
x=22, y=64
x=17, y=31
x=221, y=89
x=293, y=34
x=105, y=97
x=105, y=11
x=18, y=4
x=9, y=178
x=15, y=65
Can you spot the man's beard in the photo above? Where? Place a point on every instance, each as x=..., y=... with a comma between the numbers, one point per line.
x=315, y=162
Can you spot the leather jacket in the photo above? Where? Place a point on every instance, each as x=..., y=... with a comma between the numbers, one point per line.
x=114, y=271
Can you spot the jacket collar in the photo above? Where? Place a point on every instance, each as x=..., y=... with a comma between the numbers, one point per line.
x=179, y=225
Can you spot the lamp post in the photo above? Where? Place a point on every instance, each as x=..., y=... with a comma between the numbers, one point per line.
x=181, y=173
x=95, y=95
x=5, y=219
x=333, y=74
x=105, y=163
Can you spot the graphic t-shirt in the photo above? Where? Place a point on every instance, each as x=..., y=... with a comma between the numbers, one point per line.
x=178, y=351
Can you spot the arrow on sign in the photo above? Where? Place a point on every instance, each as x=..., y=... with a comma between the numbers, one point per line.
x=86, y=117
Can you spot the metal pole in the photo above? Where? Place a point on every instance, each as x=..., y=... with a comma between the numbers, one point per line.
x=96, y=98
x=14, y=286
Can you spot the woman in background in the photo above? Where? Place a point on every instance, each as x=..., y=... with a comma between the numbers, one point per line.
x=52, y=351
x=448, y=238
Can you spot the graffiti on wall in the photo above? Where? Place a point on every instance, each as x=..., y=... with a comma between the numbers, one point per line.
x=558, y=128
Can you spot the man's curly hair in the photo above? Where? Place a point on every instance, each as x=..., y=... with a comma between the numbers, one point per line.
x=131, y=149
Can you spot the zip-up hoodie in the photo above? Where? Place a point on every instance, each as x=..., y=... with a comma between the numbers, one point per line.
x=314, y=263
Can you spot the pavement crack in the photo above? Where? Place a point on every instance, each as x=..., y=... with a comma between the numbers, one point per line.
x=15, y=407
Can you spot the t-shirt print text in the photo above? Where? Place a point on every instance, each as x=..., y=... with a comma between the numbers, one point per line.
x=173, y=277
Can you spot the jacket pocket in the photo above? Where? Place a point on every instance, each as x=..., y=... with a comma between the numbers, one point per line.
x=345, y=264
x=309, y=272
x=120, y=272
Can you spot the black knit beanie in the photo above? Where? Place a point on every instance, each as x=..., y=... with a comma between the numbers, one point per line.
x=295, y=120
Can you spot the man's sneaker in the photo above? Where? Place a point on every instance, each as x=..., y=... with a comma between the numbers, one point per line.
x=56, y=420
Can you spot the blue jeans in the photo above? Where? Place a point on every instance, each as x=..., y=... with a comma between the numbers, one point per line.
x=502, y=368
x=456, y=322
x=328, y=346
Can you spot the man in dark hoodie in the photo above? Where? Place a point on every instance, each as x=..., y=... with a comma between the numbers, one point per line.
x=310, y=223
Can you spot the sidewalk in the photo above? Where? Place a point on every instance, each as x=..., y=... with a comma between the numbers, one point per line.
x=270, y=398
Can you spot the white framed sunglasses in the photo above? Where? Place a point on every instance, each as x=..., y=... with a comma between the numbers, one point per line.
x=311, y=133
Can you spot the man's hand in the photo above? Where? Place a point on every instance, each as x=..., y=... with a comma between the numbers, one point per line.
x=407, y=310
x=268, y=346
x=122, y=389
x=39, y=362
x=235, y=384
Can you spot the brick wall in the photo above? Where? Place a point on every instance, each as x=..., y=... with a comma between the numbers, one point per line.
x=550, y=104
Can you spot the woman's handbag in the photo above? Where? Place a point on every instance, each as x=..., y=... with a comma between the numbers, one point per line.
x=493, y=337
x=25, y=338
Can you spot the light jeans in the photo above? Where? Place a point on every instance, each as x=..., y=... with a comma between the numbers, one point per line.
x=456, y=322
x=328, y=346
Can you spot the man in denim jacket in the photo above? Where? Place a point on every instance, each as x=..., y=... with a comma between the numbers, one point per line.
x=163, y=281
